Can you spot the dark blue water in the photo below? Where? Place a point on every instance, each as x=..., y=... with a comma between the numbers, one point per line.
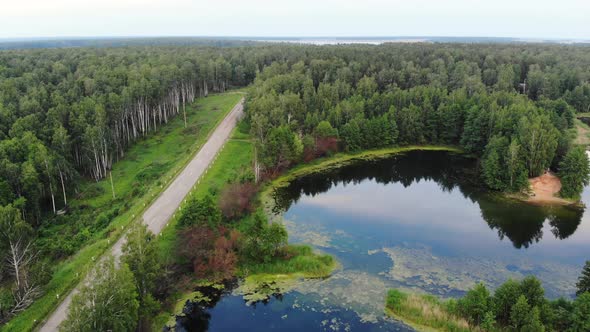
x=420, y=222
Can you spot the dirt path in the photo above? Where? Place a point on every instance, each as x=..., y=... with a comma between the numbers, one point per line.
x=545, y=189
x=583, y=136
x=160, y=212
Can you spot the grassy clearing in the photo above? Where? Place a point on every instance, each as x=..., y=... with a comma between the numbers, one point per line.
x=424, y=312
x=582, y=133
x=145, y=171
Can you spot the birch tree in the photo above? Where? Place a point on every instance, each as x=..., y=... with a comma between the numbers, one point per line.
x=17, y=242
x=107, y=302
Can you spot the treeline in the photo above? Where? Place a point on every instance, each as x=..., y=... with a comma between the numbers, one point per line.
x=71, y=113
x=66, y=113
x=514, y=111
x=514, y=306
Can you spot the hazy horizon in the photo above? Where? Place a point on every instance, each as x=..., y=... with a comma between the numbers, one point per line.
x=526, y=19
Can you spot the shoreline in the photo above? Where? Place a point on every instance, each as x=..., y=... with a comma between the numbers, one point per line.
x=543, y=191
x=336, y=161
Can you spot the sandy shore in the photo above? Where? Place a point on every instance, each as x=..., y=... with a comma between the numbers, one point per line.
x=545, y=189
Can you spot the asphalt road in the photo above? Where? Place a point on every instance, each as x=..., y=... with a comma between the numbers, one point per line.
x=159, y=213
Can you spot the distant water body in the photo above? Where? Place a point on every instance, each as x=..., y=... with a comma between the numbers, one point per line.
x=328, y=41
x=407, y=39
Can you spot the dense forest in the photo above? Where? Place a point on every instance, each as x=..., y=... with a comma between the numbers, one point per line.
x=66, y=115
x=512, y=107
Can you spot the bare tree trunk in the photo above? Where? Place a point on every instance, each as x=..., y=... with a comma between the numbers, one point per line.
x=50, y=186
x=112, y=185
x=63, y=187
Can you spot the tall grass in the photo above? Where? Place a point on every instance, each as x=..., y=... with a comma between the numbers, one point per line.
x=424, y=312
x=299, y=260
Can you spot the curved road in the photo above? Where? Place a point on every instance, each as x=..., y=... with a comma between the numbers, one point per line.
x=158, y=214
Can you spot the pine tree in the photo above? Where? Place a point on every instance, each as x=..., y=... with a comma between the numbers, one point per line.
x=583, y=284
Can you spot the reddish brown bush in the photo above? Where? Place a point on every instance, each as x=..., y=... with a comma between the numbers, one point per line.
x=236, y=199
x=326, y=145
x=322, y=146
x=212, y=252
x=223, y=260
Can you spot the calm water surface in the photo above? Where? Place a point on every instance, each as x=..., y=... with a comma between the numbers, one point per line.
x=418, y=222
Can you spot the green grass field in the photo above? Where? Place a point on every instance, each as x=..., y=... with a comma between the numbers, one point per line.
x=145, y=171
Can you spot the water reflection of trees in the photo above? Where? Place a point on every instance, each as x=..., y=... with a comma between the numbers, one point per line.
x=521, y=223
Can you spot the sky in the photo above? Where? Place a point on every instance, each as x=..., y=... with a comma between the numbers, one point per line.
x=562, y=19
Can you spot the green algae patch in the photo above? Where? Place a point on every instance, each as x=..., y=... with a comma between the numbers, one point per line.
x=281, y=275
x=261, y=287
x=198, y=296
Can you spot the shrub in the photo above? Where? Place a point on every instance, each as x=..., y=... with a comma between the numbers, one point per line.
x=504, y=298
x=532, y=289
x=236, y=200
x=394, y=298
x=211, y=252
x=581, y=313
x=519, y=314
x=583, y=284
x=475, y=304
x=200, y=212
x=263, y=241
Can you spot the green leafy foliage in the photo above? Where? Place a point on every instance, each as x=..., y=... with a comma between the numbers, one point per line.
x=514, y=306
x=141, y=256
x=581, y=313
x=200, y=212
x=476, y=304
x=583, y=283
x=574, y=172
x=262, y=240
x=108, y=302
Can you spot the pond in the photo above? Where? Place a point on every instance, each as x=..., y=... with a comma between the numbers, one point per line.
x=417, y=221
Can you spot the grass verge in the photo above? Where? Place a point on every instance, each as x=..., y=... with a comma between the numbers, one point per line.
x=424, y=312
x=169, y=149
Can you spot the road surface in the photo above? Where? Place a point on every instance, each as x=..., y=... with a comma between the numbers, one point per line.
x=159, y=213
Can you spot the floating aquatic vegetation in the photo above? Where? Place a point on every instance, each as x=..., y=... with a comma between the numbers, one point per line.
x=356, y=291
x=260, y=288
x=308, y=234
x=446, y=275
